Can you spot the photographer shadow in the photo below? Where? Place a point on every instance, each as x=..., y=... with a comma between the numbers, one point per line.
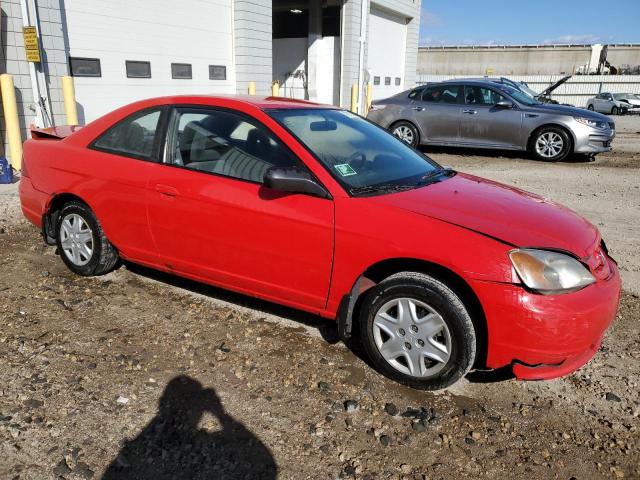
x=172, y=446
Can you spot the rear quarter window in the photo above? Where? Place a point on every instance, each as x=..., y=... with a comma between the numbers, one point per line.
x=132, y=137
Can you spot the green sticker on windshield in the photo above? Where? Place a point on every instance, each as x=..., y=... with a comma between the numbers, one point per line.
x=345, y=169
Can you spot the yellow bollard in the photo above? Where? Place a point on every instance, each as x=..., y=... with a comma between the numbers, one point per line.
x=252, y=88
x=369, y=97
x=11, y=122
x=354, y=98
x=69, y=96
x=275, y=88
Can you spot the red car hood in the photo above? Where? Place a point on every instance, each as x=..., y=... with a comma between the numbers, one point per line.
x=500, y=211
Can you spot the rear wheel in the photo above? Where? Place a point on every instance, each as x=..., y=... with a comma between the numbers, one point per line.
x=406, y=132
x=417, y=331
x=590, y=107
x=551, y=144
x=81, y=242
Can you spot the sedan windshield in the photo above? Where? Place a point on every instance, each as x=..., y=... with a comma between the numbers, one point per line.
x=625, y=96
x=518, y=95
x=364, y=158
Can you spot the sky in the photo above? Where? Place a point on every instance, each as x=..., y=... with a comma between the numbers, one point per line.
x=499, y=22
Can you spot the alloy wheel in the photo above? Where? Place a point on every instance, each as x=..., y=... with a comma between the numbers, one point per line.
x=549, y=144
x=412, y=337
x=404, y=133
x=76, y=239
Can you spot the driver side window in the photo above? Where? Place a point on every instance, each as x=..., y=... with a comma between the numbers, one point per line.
x=224, y=143
x=481, y=96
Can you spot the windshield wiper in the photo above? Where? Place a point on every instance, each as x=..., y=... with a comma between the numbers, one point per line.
x=431, y=176
x=382, y=188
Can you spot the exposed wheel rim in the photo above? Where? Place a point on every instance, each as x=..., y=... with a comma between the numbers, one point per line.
x=549, y=144
x=614, y=110
x=404, y=133
x=76, y=239
x=412, y=337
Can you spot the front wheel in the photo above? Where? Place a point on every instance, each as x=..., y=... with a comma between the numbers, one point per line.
x=417, y=331
x=551, y=144
x=81, y=242
x=406, y=132
x=615, y=111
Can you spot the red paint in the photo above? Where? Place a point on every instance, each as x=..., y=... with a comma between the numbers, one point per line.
x=307, y=252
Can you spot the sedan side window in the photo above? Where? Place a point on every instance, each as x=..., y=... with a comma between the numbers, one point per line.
x=481, y=96
x=224, y=143
x=442, y=94
x=132, y=137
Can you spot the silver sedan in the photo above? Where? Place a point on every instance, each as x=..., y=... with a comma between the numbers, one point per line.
x=483, y=114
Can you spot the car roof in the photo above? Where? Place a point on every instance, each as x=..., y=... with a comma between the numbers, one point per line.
x=261, y=102
x=471, y=81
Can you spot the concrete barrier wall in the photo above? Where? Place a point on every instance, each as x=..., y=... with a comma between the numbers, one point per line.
x=577, y=91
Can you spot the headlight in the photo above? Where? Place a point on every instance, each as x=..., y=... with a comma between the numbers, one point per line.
x=550, y=272
x=376, y=107
x=591, y=123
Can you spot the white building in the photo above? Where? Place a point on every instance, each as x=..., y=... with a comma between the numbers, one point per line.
x=119, y=51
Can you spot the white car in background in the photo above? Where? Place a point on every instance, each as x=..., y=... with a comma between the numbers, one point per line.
x=615, y=103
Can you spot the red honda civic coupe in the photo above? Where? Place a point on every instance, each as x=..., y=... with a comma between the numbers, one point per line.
x=316, y=208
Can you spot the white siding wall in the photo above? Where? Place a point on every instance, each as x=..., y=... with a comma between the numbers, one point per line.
x=199, y=32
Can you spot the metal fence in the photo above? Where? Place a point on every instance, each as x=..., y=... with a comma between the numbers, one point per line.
x=576, y=91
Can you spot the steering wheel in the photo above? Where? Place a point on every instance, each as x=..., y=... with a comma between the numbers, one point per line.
x=357, y=160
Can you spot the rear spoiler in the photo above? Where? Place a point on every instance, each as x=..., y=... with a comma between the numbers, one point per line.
x=54, y=133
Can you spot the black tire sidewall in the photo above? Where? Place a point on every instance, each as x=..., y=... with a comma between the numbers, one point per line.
x=566, y=149
x=590, y=107
x=412, y=127
x=460, y=327
x=88, y=216
x=615, y=111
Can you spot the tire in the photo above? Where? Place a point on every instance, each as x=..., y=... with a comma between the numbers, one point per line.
x=590, y=107
x=439, y=320
x=551, y=144
x=407, y=132
x=81, y=242
x=614, y=111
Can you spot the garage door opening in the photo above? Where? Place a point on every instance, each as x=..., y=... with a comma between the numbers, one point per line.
x=306, y=49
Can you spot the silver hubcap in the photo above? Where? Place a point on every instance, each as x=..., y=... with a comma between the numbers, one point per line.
x=549, y=144
x=76, y=239
x=412, y=337
x=404, y=133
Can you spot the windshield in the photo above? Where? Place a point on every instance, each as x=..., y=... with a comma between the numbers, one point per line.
x=625, y=96
x=526, y=89
x=518, y=95
x=363, y=157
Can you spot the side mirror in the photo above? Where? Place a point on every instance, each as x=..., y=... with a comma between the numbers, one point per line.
x=293, y=180
x=504, y=104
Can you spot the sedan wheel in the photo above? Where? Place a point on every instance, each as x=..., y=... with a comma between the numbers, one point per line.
x=614, y=111
x=590, y=107
x=551, y=144
x=417, y=331
x=405, y=132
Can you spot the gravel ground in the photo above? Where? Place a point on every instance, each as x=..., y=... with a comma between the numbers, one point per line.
x=141, y=375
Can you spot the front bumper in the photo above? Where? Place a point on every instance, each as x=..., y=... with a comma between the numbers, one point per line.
x=592, y=140
x=547, y=336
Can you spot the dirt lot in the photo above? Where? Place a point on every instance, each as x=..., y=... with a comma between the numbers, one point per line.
x=142, y=375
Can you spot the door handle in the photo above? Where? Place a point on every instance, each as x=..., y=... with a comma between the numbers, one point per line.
x=418, y=109
x=167, y=190
x=470, y=112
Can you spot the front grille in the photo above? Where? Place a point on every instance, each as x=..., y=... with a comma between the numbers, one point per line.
x=612, y=125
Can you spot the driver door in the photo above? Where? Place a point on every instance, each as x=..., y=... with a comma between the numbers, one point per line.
x=211, y=217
